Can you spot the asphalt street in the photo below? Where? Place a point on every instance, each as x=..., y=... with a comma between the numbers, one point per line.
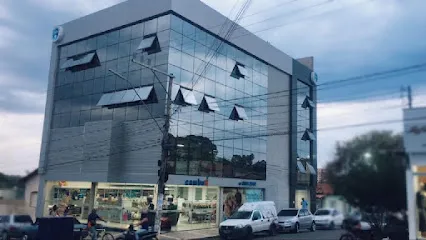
x=306, y=235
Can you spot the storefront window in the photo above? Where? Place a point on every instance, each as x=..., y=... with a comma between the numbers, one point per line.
x=75, y=196
x=122, y=203
x=234, y=198
x=419, y=184
x=118, y=204
x=190, y=207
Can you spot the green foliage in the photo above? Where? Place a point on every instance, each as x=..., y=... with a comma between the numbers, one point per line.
x=9, y=181
x=369, y=172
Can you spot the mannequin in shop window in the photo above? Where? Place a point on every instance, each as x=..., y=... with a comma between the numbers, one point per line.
x=421, y=208
x=229, y=206
x=238, y=199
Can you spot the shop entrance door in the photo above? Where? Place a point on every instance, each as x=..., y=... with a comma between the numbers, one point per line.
x=302, y=194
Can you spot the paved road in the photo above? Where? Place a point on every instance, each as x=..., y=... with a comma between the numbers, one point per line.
x=306, y=235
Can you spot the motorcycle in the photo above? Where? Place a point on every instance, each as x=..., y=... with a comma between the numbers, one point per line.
x=130, y=234
x=396, y=228
x=358, y=230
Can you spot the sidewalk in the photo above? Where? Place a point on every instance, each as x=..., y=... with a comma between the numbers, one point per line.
x=191, y=234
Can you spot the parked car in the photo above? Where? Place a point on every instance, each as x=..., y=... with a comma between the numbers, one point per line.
x=30, y=231
x=12, y=226
x=251, y=218
x=328, y=218
x=293, y=219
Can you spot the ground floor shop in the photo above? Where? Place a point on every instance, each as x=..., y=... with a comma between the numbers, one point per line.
x=415, y=146
x=194, y=204
x=416, y=201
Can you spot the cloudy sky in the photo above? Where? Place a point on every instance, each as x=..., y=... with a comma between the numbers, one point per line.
x=348, y=38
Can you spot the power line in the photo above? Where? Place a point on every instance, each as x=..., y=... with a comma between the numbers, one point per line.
x=201, y=123
x=221, y=42
x=288, y=23
x=288, y=133
x=352, y=80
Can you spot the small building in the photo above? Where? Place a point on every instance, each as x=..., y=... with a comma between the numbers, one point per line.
x=31, y=184
x=415, y=146
x=326, y=198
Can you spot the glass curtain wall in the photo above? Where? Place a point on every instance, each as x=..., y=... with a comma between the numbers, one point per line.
x=303, y=123
x=209, y=143
x=78, y=90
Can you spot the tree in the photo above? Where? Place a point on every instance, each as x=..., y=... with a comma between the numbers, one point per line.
x=369, y=172
x=243, y=161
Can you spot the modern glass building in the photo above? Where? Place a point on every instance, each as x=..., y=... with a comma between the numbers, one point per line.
x=242, y=126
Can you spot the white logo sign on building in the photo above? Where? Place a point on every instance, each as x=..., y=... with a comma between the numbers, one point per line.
x=314, y=77
x=57, y=34
x=415, y=130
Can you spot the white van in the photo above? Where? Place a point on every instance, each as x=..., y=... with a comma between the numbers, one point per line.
x=253, y=217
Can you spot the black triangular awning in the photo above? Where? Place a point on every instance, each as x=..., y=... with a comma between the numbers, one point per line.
x=150, y=44
x=238, y=113
x=204, y=107
x=208, y=104
x=185, y=97
x=308, y=135
x=308, y=103
x=239, y=71
x=81, y=62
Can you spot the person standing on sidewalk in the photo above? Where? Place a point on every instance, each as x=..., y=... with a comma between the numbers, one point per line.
x=304, y=204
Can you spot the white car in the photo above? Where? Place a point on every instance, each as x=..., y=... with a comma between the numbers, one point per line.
x=293, y=219
x=328, y=218
x=251, y=218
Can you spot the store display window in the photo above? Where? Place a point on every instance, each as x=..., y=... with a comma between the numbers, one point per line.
x=419, y=185
x=118, y=204
x=190, y=207
x=124, y=203
x=70, y=198
x=234, y=198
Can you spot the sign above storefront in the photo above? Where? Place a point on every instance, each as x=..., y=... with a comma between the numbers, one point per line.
x=248, y=184
x=197, y=182
x=415, y=130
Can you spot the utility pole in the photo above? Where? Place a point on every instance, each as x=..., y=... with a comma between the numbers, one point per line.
x=165, y=146
x=165, y=143
x=409, y=95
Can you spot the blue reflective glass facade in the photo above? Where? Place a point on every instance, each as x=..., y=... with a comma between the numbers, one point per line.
x=303, y=120
x=210, y=144
x=78, y=92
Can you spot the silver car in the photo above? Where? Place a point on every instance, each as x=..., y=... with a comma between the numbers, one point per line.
x=293, y=220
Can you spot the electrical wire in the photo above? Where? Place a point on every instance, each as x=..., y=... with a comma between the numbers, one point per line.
x=221, y=42
x=284, y=133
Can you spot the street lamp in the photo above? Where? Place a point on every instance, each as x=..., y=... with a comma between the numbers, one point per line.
x=367, y=155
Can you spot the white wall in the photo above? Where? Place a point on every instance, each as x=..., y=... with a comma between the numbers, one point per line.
x=337, y=203
x=31, y=195
x=277, y=159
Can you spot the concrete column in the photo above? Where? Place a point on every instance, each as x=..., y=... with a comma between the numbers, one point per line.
x=93, y=190
x=41, y=198
x=204, y=193
x=191, y=194
x=411, y=205
x=219, y=207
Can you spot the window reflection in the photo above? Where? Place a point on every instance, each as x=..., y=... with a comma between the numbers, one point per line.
x=213, y=144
